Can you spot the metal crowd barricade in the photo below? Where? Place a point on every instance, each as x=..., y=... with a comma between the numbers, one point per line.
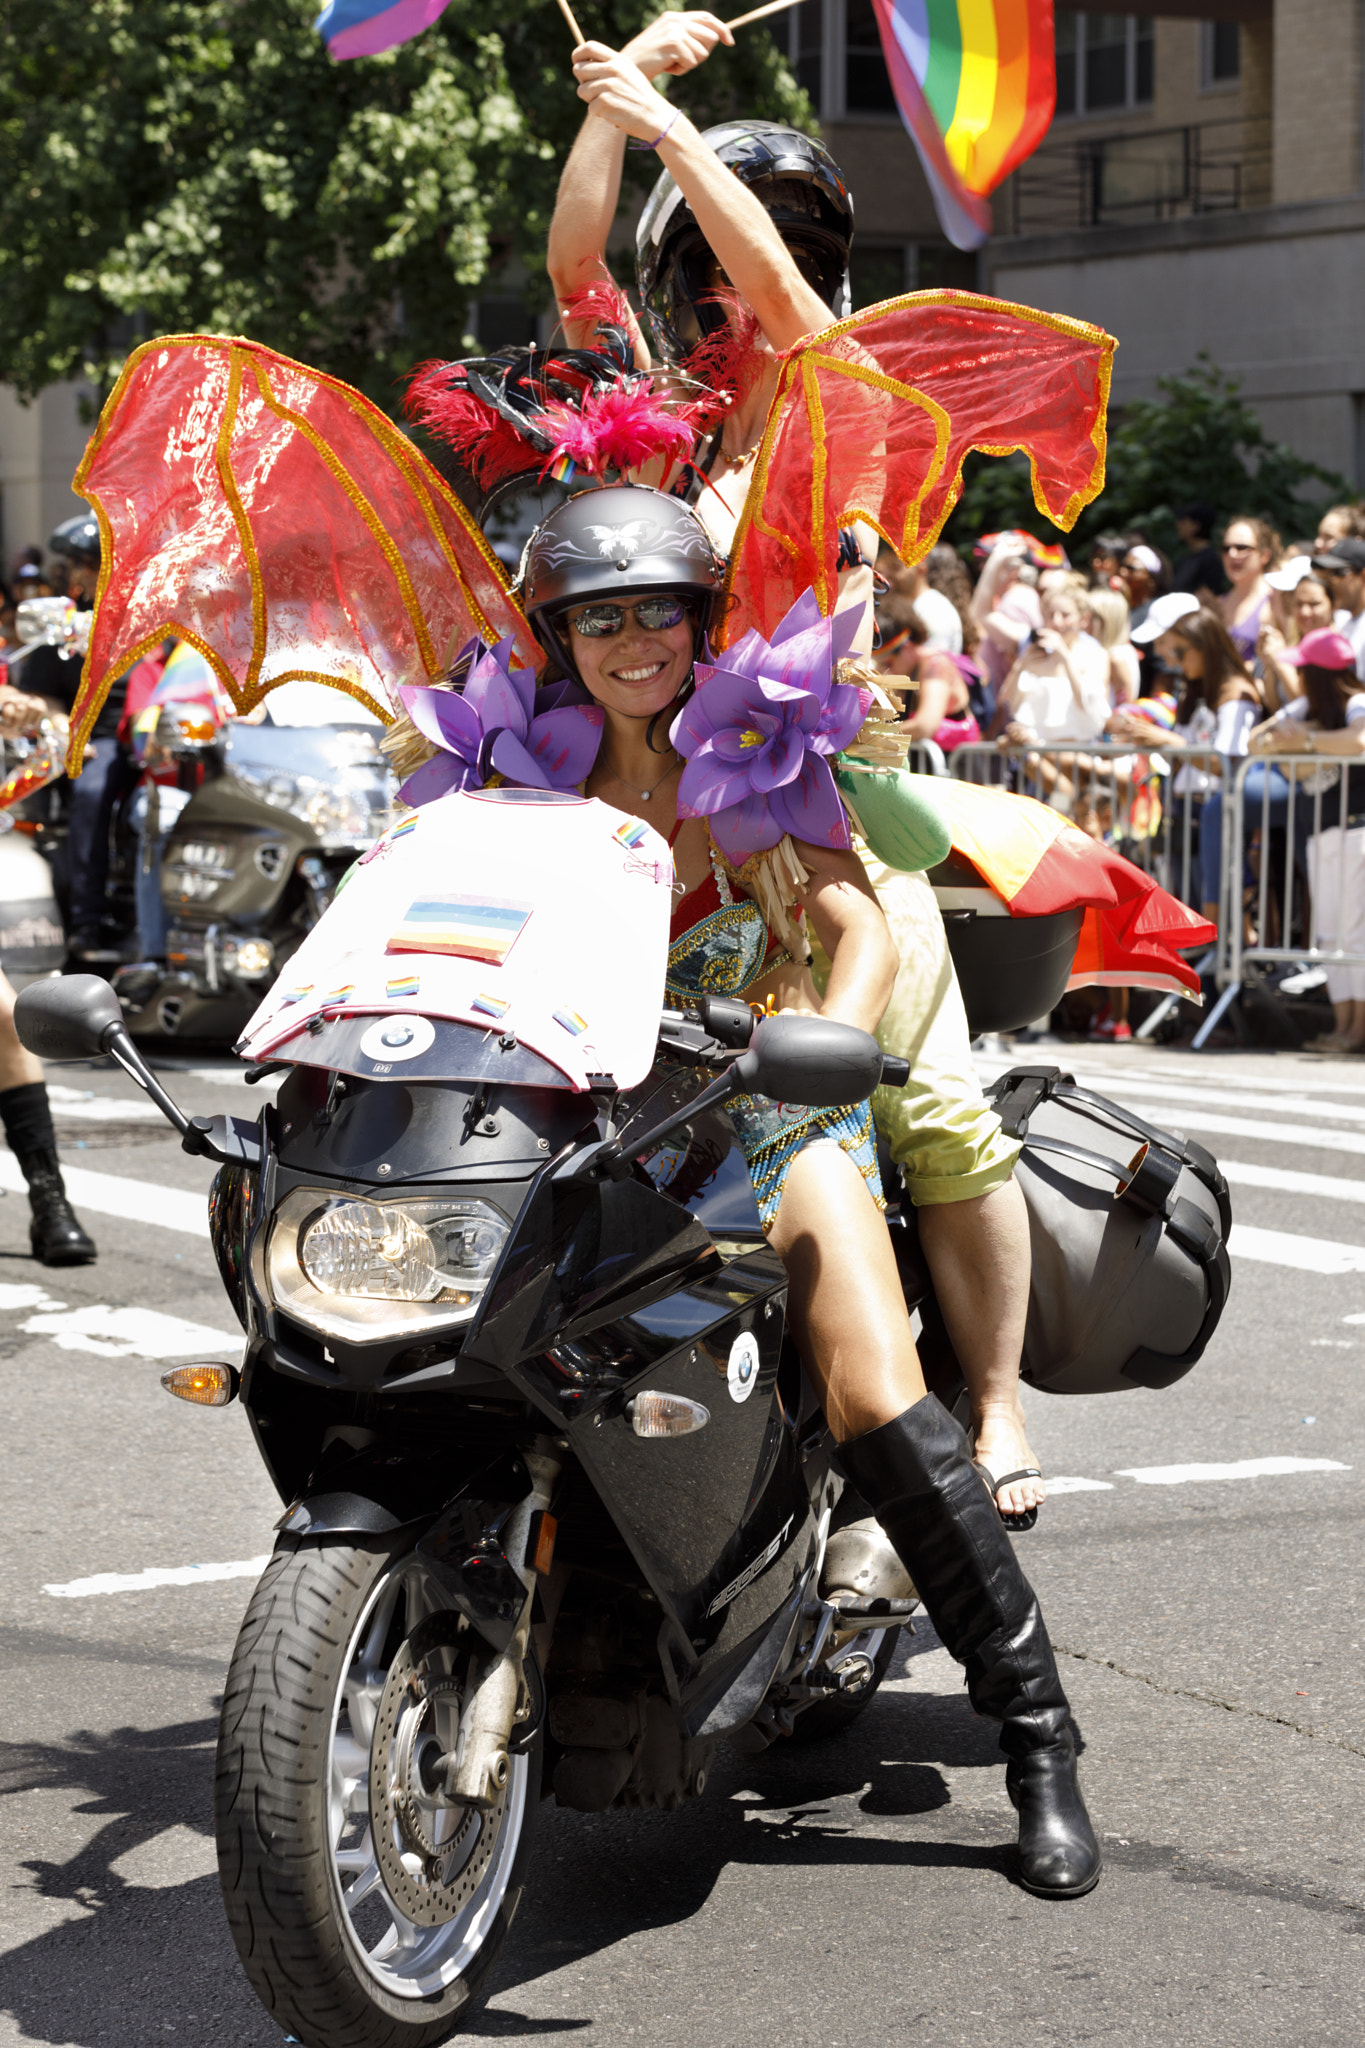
x=1293, y=889
x=1110, y=789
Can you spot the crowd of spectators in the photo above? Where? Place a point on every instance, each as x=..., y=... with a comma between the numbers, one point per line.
x=1240, y=645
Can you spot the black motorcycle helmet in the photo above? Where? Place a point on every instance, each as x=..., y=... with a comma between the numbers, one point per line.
x=78, y=540
x=799, y=186
x=622, y=542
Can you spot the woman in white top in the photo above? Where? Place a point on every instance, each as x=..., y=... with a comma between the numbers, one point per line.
x=1057, y=691
x=1218, y=708
x=1109, y=622
x=1329, y=718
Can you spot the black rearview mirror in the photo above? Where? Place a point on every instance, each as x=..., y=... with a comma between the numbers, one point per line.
x=72, y=1018
x=812, y=1060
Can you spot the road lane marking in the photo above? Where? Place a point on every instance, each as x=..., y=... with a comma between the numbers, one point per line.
x=1243, y=1468
x=169, y=1575
x=116, y=1194
x=82, y=1103
x=1287, y=1248
x=111, y=1332
x=1286, y=1181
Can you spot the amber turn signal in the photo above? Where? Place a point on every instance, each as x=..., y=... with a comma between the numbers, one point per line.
x=540, y=1547
x=208, y=1386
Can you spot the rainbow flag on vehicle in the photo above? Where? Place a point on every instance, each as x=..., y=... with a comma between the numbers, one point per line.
x=975, y=83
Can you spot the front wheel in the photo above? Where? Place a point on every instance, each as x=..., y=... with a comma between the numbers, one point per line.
x=367, y=1908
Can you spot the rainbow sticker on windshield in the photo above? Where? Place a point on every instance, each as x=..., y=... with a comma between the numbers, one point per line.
x=409, y=824
x=405, y=985
x=340, y=995
x=572, y=1022
x=490, y=1006
x=466, y=927
x=296, y=995
x=631, y=833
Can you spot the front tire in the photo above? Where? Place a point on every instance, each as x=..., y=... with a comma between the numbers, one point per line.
x=367, y=1910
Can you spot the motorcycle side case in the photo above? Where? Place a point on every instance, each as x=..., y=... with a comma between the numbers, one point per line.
x=1130, y=1262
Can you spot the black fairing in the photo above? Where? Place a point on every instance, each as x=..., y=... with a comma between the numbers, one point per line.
x=603, y=1289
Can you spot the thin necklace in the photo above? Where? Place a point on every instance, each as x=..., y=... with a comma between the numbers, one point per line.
x=644, y=794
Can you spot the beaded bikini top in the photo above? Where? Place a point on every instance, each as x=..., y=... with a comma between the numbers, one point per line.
x=719, y=941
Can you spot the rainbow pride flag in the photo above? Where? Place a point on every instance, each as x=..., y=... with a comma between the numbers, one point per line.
x=975, y=82
x=366, y=28
x=467, y=927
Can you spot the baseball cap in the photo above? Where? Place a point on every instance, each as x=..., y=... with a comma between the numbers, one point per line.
x=1291, y=573
x=1163, y=613
x=1346, y=555
x=1323, y=648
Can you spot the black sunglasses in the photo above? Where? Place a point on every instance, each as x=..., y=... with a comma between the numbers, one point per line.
x=651, y=615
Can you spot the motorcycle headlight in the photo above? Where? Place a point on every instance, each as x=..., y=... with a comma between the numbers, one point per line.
x=363, y=1269
x=340, y=816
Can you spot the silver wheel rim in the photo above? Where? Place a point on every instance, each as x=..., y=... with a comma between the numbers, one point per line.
x=406, y=1960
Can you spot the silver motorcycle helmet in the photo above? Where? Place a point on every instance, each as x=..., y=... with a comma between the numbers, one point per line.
x=78, y=540
x=622, y=543
x=799, y=186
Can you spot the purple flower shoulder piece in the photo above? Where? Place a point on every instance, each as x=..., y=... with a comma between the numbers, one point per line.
x=759, y=730
x=500, y=723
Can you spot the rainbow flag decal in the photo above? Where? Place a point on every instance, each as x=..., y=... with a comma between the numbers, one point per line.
x=405, y=985
x=490, y=1006
x=339, y=995
x=975, y=83
x=402, y=831
x=467, y=927
x=631, y=833
x=366, y=28
x=572, y=1022
x=296, y=995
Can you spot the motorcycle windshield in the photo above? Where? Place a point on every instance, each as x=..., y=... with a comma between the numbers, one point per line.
x=524, y=913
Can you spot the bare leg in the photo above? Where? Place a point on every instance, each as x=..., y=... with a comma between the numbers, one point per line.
x=978, y=1254
x=18, y=1069
x=844, y=1296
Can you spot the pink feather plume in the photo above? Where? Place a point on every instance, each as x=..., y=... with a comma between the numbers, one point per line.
x=618, y=429
x=601, y=303
x=487, y=446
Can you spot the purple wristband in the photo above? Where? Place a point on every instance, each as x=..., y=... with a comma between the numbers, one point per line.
x=661, y=134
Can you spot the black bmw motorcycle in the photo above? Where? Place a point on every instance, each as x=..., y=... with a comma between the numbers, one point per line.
x=560, y=1512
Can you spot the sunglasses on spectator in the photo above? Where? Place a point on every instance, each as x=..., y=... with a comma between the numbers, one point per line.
x=1239, y=547
x=651, y=615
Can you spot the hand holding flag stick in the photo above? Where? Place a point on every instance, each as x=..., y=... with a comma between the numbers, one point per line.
x=742, y=21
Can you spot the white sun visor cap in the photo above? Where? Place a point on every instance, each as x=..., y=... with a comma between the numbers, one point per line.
x=1163, y=613
x=1290, y=574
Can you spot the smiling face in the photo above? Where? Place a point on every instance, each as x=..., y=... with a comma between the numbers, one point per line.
x=1062, y=611
x=634, y=673
x=1243, y=557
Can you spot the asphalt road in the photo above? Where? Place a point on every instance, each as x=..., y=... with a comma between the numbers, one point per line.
x=1210, y=1629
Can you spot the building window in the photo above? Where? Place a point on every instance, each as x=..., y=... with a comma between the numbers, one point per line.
x=1104, y=62
x=800, y=36
x=867, y=82
x=1220, y=54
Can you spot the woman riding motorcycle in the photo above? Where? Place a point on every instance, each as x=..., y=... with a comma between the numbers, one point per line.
x=620, y=586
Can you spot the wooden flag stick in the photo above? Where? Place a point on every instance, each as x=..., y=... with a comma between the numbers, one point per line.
x=576, y=31
x=757, y=13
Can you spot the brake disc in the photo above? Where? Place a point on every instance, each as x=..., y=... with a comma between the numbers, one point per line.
x=432, y=1851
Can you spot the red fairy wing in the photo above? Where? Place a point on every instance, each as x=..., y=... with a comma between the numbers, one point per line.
x=874, y=418
x=281, y=524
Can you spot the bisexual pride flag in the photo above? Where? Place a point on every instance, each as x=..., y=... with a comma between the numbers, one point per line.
x=466, y=927
x=975, y=82
x=366, y=28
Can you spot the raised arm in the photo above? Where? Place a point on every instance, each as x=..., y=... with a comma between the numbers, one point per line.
x=746, y=245
x=590, y=187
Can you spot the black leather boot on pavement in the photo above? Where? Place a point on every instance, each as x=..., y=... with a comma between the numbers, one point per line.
x=54, y=1232
x=917, y=1474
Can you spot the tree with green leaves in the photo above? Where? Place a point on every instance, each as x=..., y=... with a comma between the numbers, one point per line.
x=1199, y=439
x=169, y=166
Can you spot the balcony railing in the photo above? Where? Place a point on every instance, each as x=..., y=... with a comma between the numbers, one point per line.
x=1158, y=174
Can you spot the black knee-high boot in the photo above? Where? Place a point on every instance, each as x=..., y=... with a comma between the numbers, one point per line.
x=917, y=1474
x=54, y=1232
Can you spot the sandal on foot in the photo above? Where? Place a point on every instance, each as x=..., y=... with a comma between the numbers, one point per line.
x=1017, y=1523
